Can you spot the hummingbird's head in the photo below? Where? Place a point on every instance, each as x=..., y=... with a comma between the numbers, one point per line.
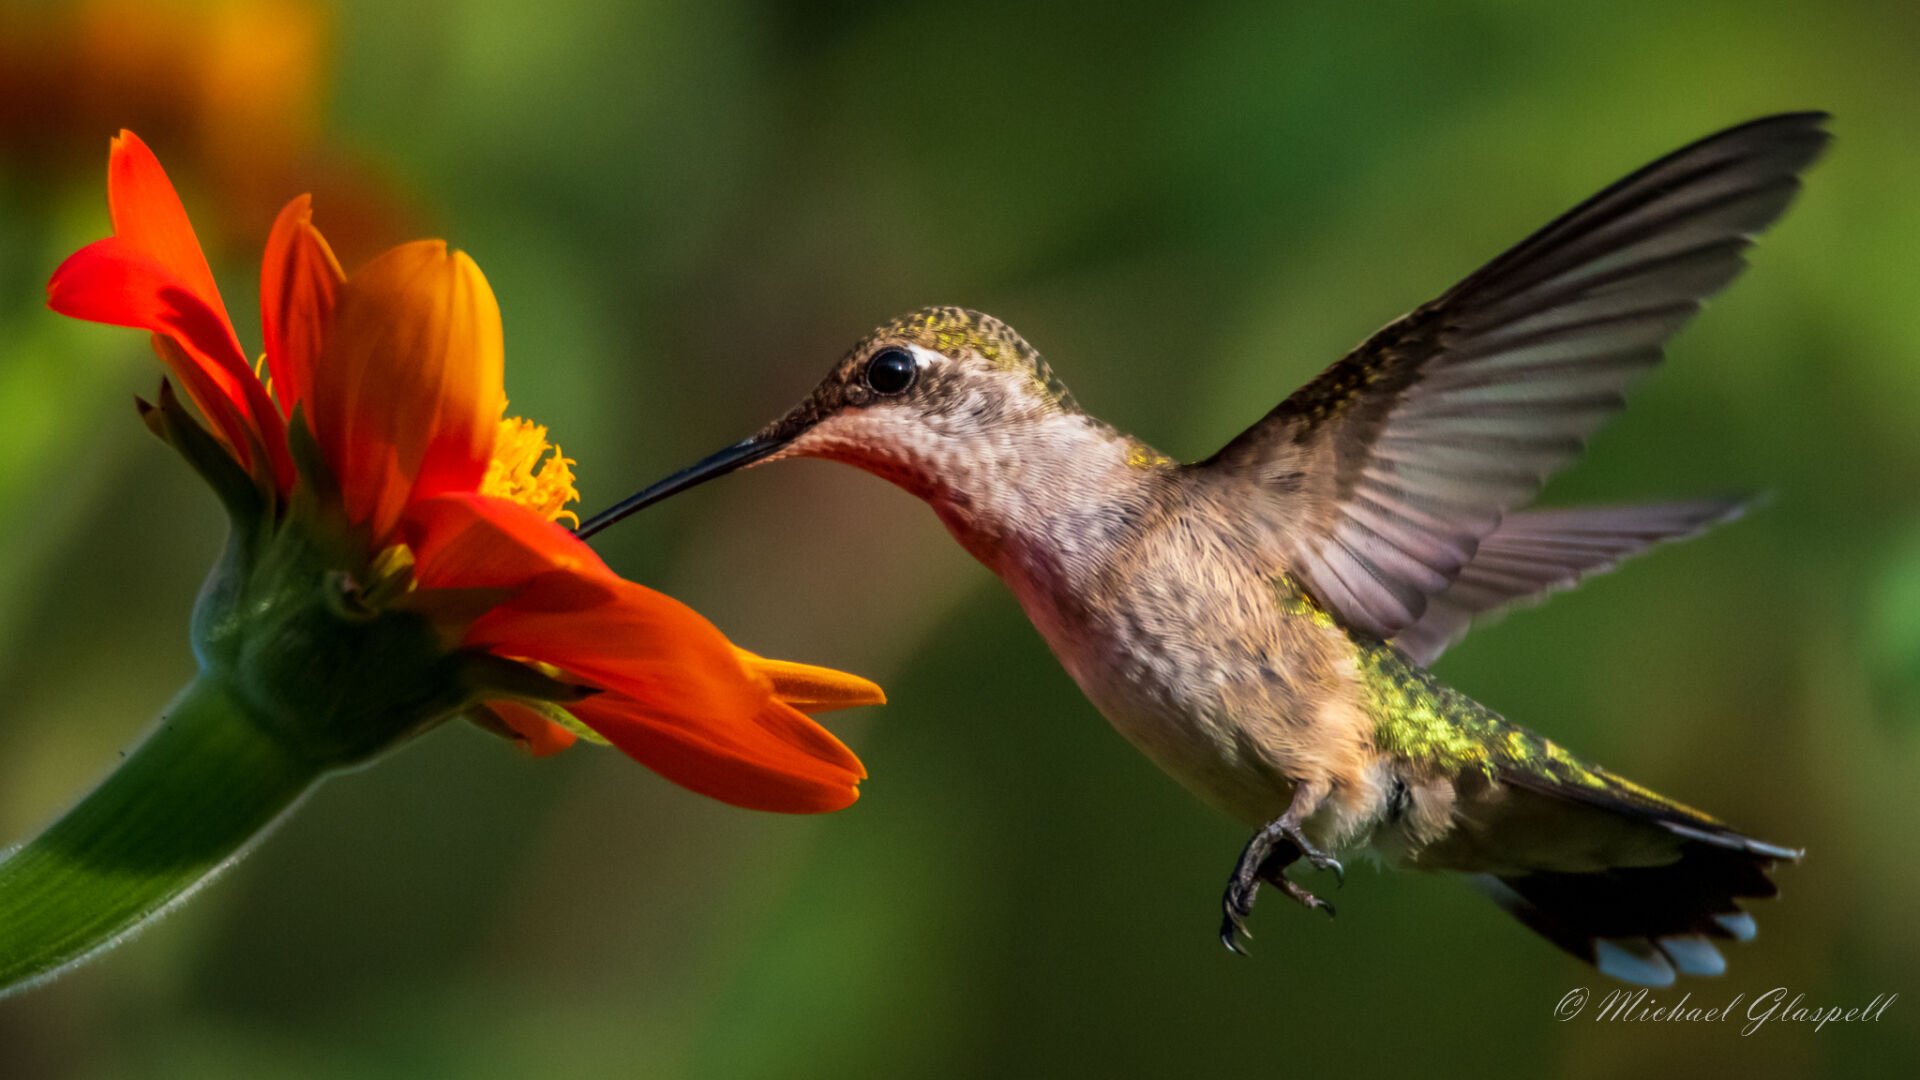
x=931, y=401
x=926, y=399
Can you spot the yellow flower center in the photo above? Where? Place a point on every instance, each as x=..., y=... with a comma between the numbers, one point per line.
x=529, y=470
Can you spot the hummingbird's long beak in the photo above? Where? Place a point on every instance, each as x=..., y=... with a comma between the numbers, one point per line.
x=738, y=456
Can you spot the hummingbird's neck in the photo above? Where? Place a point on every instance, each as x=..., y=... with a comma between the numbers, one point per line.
x=1048, y=500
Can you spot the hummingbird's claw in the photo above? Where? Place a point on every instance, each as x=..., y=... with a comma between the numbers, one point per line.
x=1230, y=934
x=1318, y=859
x=1300, y=895
x=1235, y=905
x=1322, y=861
x=1265, y=860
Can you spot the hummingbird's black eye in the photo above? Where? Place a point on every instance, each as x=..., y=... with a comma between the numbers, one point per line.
x=891, y=371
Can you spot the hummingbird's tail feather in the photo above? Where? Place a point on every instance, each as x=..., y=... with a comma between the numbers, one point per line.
x=1626, y=879
x=1634, y=921
x=1641, y=924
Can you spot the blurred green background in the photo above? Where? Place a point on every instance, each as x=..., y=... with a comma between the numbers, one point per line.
x=688, y=211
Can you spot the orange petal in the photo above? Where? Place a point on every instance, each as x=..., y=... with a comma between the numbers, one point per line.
x=148, y=217
x=540, y=736
x=634, y=641
x=755, y=772
x=569, y=609
x=152, y=275
x=109, y=282
x=814, y=689
x=408, y=393
x=677, y=695
x=299, y=283
x=787, y=723
x=668, y=671
x=468, y=541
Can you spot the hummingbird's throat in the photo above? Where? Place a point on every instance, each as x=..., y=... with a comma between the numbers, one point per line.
x=1048, y=488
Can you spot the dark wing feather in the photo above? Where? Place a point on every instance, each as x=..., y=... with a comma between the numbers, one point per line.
x=1535, y=553
x=1405, y=454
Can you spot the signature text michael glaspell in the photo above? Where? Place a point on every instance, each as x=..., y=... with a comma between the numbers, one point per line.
x=1750, y=1012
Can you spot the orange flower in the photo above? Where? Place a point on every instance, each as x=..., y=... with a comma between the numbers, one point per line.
x=445, y=508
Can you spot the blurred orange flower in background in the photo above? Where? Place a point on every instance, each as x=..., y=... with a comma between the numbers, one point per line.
x=238, y=85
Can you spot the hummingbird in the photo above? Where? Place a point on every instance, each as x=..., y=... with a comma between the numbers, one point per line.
x=1261, y=623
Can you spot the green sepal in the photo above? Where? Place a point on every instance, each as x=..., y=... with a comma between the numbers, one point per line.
x=490, y=676
x=560, y=715
x=317, y=482
x=247, y=503
x=493, y=677
x=290, y=623
x=207, y=782
x=486, y=720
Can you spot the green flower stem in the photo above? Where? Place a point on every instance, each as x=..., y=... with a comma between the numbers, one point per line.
x=202, y=786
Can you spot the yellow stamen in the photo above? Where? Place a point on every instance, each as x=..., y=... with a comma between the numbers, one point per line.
x=530, y=471
x=389, y=577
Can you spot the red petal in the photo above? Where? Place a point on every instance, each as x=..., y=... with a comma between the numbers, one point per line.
x=756, y=773
x=109, y=282
x=148, y=217
x=152, y=275
x=784, y=721
x=540, y=736
x=299, y=284
x=569, y=608
x=677, y=695
x=478, y=542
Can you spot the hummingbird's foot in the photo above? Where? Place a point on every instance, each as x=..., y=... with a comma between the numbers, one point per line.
x=1286, y=828
x=1237, y=903
x=1266, y=857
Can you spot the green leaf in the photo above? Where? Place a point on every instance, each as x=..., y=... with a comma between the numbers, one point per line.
x=187, y=803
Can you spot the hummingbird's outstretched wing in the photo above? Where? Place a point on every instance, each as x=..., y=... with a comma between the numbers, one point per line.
x=1535, y=553
x=1397, y=461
